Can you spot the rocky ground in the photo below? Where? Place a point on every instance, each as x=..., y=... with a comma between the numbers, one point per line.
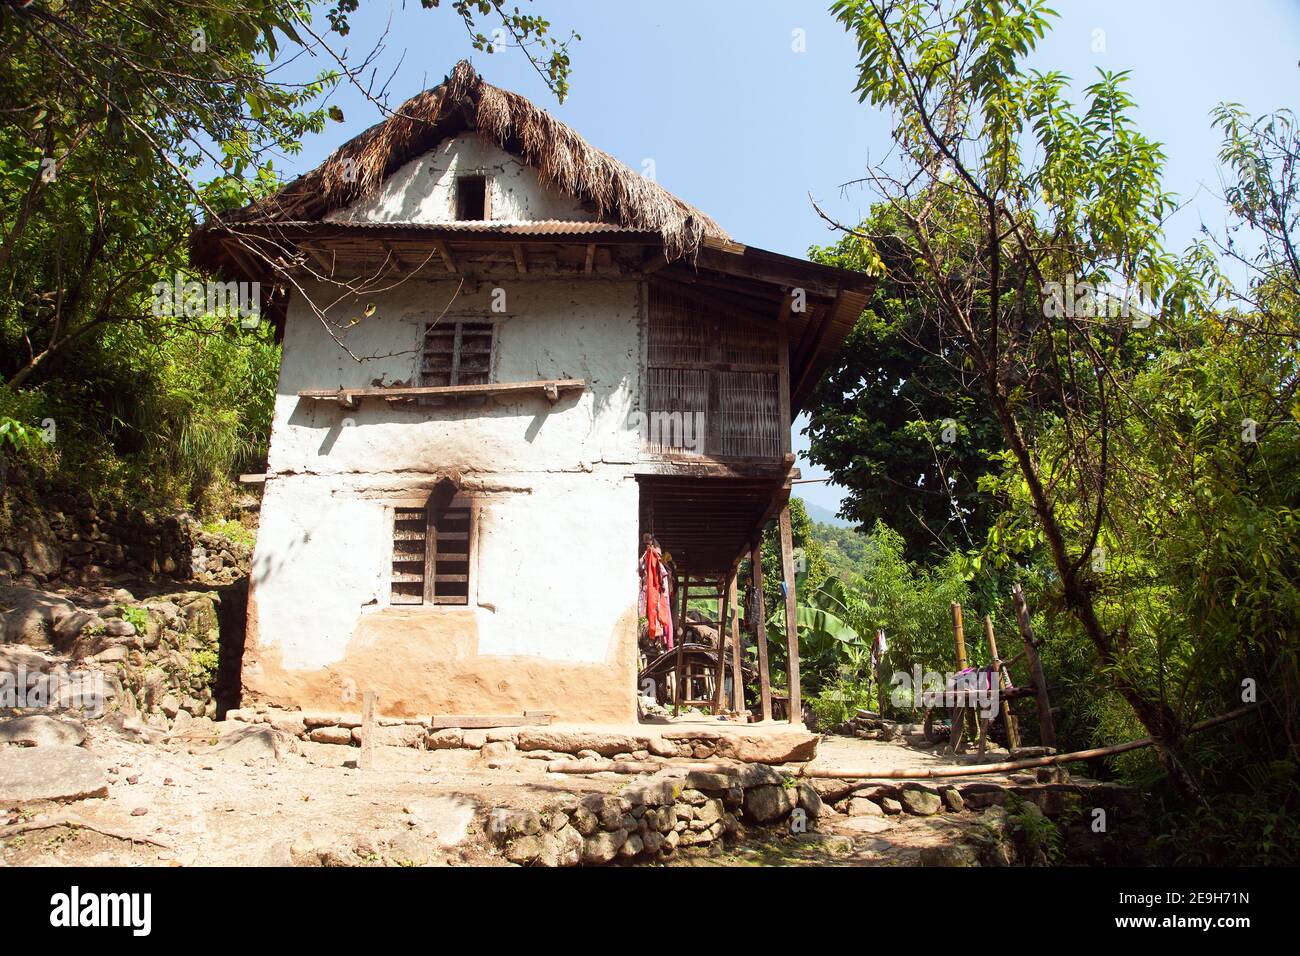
x=238, y=794
x=203, y=792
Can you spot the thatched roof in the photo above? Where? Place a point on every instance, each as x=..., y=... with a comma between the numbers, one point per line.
x=562, y=158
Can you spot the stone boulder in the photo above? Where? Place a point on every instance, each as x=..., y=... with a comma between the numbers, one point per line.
x=922, y=803
x=600, y=848
x=771, y=748
x=29, y=774
x=569, y=742
x=39, y=730
x=949, y=855
x=258, y=744
x=769, y=803
x=33, y=616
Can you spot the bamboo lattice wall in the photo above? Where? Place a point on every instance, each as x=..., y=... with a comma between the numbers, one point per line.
x=712, y=370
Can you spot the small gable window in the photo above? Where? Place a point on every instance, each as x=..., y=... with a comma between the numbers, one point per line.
x=471, y=198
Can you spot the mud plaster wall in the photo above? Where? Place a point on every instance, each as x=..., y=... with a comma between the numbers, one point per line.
x=552, y=620
x=424, y=189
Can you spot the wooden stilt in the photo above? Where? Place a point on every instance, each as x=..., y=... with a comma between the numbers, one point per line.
x=791, y=616
x=1046, y=729
x=679, y=672
x=720, y=672
x=1004, y=681
x=760, y=633
x=737, y=672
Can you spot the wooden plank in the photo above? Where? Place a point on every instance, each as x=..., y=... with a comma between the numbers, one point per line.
x=591, y=258
x=352, y=395
x=521, y=264
x=760, y=633
x=791, y=616
x=483, y=721
x=1046, y=729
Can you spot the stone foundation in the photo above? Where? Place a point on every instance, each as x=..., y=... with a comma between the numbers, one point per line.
x=547, y=743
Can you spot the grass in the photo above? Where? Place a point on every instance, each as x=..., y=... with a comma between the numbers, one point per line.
x=234, y=530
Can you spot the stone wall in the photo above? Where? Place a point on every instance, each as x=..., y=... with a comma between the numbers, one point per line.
x=656, y=817
x=158, y=656
x=651, y=819
x=77, y=542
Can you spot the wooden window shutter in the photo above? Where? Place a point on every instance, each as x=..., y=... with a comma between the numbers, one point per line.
x=431, y=553
x=457, y=353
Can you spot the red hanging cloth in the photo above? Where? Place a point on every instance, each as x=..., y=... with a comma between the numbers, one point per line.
x=658, y=606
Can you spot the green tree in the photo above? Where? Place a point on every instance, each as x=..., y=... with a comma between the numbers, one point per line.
x=124, y=124
x=1042, y=200
x=897, y=425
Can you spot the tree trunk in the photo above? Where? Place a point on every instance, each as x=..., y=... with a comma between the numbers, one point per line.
x=1156, y=716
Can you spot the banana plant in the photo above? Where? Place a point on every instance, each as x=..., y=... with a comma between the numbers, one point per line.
x=827, y=640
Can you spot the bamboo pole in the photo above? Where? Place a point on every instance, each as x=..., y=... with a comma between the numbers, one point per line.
x=1013, y=765
x=1008, y=718
x=760, y=631
x=960, y=636
x=791, y=616
x=880, y=675
x=1046, y=729
x=959, y=713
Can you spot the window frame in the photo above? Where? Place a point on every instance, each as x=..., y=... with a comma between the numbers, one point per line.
x=456, y=324
x=457, y=197
x=428, y=597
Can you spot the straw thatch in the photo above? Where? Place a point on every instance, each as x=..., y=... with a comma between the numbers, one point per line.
x=562, y=158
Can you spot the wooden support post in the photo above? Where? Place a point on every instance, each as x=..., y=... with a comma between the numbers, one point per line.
x=791, y=616
x=367, y=758
x=1008, y=718
x=737, y=672
x=1046, y=730
x=679, y=673
x=720, y=671
x=760, y=632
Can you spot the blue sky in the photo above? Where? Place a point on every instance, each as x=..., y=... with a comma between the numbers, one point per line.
x=740, y=124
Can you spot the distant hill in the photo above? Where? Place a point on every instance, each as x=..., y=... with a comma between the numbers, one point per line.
x=823, y=515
